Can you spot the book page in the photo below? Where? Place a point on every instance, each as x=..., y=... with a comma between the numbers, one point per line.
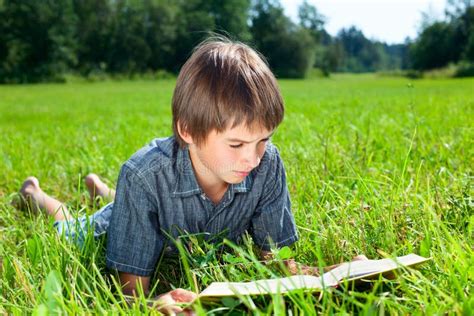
x=271, y=286
x=349, y=270
x=359, y=269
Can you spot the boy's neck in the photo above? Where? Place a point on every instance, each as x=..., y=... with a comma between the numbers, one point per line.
x=212, y=186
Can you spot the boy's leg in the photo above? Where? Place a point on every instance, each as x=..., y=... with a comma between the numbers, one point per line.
x=98, y=188
x=38, y=199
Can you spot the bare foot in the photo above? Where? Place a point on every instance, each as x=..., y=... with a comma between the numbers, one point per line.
x=35, y=199
x=98, y=188
x=28, y=191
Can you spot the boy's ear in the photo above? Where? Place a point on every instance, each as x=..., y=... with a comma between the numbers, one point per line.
x=184, y=135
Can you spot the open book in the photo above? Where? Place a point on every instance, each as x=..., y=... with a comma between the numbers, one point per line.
x=349, y=271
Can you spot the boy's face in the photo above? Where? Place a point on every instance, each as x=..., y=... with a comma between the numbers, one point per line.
x=228, y=157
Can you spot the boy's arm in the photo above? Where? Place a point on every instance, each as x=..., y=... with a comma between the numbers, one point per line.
x=134, y=241
x=130, y=282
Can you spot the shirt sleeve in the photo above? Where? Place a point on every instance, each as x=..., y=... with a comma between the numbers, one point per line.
x=134, y=239
x=273, y=223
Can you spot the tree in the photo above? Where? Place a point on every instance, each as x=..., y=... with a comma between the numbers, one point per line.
x=288, y=48
x=199, y=18
x=468, y=52
x=311, y=20
x=128, y=51
x=334, y=56
x=231, y=17
x=456, y=8
x=38, y=40
x=126, y=36
x=361, y=55
x=3, y=36
x=93, y=32
x=442, y=42
x=353, y=40
x=463, y=32
x=434, y=47
x=161, y=32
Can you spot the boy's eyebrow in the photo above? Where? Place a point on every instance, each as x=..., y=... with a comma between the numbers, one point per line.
x=245, y=141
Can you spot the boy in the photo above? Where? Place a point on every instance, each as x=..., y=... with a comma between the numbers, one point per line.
x=218, y=173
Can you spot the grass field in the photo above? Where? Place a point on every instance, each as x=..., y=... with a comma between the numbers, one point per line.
x=375, y=166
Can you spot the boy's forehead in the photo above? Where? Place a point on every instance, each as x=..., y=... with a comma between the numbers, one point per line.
x=246, y=132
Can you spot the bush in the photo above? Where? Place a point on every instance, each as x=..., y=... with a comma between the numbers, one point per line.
x=439, y=73
x=317, y=73
x=414, y=74
x=392, y=73
x=465, y=69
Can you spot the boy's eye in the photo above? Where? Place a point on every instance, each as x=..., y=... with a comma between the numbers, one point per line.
x=240, y=145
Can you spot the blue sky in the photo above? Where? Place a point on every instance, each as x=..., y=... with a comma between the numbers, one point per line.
x=386, y=20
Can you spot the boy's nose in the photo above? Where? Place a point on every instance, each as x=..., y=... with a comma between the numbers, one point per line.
x=252, y=160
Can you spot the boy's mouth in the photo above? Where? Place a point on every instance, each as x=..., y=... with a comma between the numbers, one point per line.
x=242, y=173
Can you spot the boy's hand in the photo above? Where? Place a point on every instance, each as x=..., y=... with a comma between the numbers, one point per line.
x=169, y=303
x=293, y=267
x=356, y=258
x=297, y=268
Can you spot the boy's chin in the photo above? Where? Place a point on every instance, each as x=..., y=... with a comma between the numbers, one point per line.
x=234, y=179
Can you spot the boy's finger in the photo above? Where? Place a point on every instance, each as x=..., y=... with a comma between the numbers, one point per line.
x=188, y=312
x=356, y=258
x=166, y=305
x=360, y=257
x=329, y=268
x=183, y=296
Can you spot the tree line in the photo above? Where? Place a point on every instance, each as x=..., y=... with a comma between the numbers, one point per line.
x=43, y=40
x=447, y=42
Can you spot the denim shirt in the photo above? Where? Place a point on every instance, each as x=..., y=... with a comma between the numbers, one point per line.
x=159, y=197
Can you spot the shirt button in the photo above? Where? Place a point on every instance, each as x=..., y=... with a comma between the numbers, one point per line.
x=203, y=196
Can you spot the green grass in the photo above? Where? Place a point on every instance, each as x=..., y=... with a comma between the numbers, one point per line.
x=374, y=165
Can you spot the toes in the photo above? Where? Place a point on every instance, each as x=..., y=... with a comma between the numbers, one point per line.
x=29, y=185
x=33, y=180
x=91, y=179
x=25, y=198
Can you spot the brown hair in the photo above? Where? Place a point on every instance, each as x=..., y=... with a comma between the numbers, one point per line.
x=224, y=84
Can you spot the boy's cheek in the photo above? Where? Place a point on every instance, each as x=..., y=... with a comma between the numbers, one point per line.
x=227, y=160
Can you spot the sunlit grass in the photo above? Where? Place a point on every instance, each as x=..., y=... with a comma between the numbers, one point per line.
x=374, y=165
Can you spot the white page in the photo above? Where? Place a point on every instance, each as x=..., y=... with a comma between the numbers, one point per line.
x=271, y=286
x=357, y=269
x=347, y=270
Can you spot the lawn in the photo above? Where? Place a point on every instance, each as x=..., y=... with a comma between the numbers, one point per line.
x=375, y=165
